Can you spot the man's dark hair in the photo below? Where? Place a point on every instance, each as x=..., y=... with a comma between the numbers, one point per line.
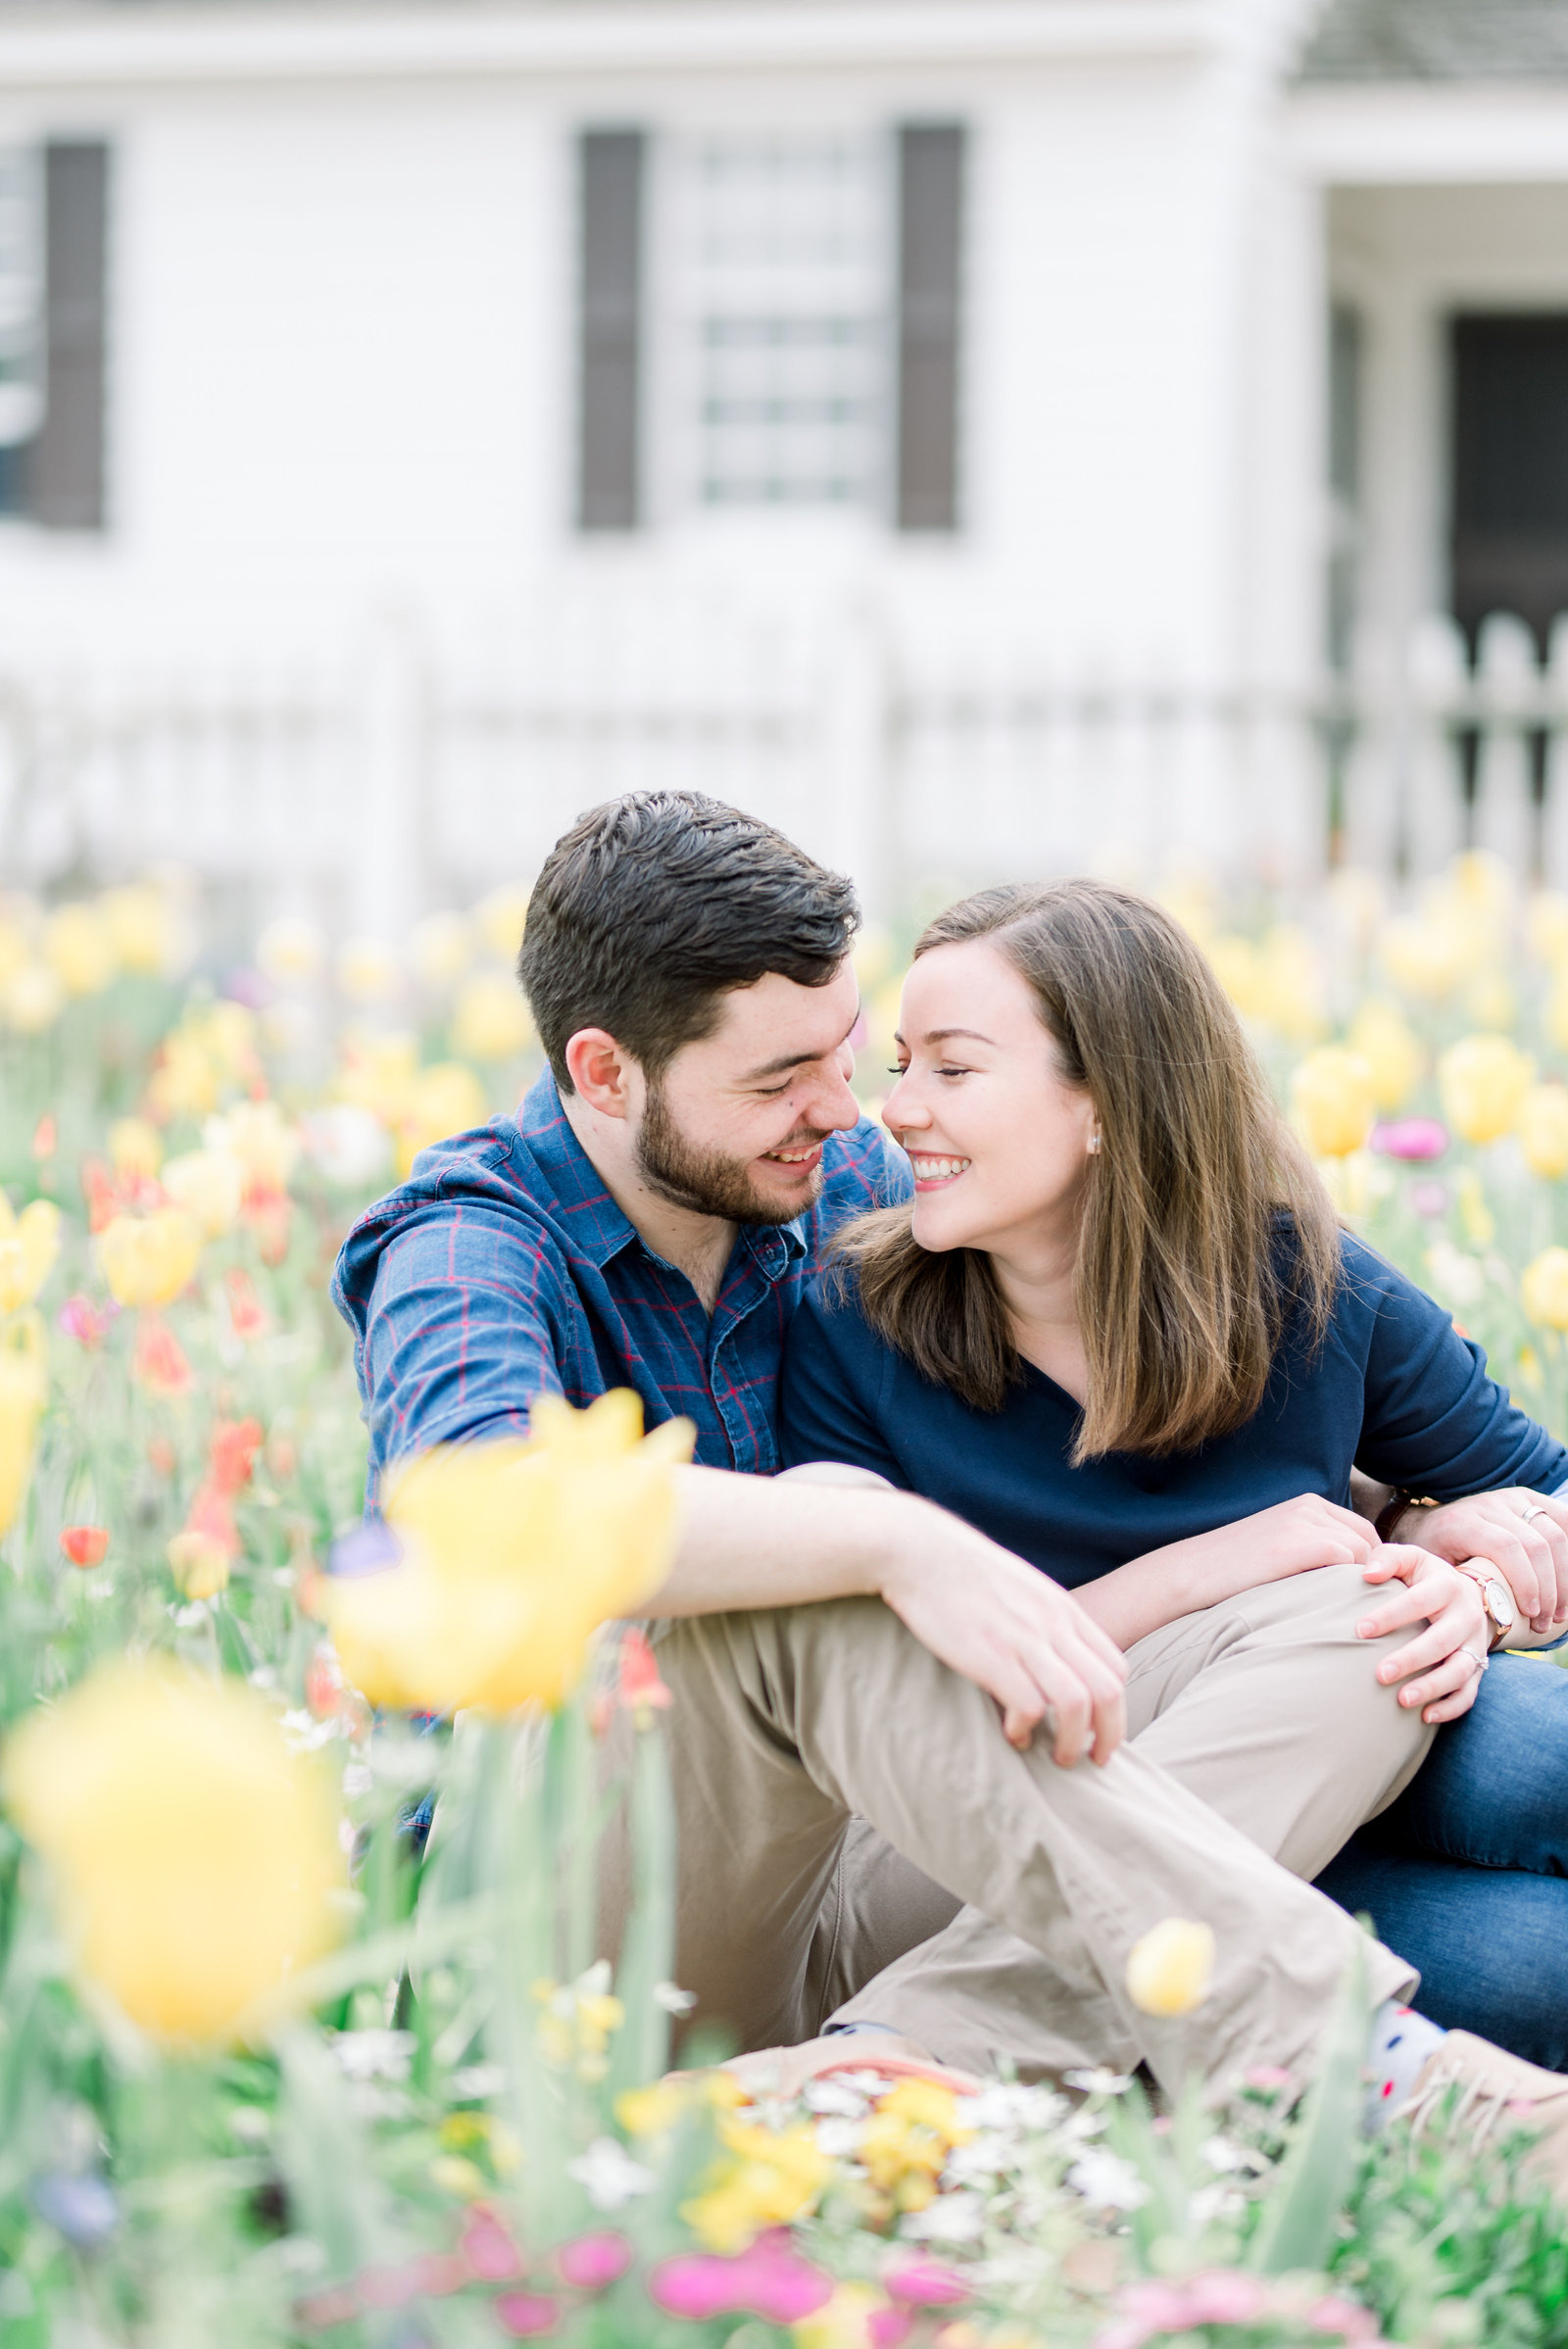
x=651, y=908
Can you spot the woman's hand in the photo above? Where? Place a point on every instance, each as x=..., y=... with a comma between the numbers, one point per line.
x=1523, y=1534
x=1442, y=1665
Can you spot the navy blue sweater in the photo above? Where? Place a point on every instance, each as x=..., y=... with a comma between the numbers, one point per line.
x=1394, y=1389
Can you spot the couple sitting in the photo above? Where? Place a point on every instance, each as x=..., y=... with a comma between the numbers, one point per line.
x=1090, y=1365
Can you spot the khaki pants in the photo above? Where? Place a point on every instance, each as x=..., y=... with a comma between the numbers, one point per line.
x=1259, y=1741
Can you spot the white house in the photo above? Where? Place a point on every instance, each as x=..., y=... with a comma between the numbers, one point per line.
x=987, y=434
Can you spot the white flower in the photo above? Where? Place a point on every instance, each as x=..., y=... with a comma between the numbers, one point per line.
x=674, y=1999
x=1107, y=2180
x=347, y=1144
x=950, y=2219
x=838, y=2139
x=1220, y=2154
x=1456, y=1278
x=1009, y=2104
x=608, y=2175
x=834, y=2096
x=479, y=2080
x=374, y=2054
x=1100, y=2082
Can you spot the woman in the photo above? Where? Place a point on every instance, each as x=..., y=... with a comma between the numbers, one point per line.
x=1119, y=1331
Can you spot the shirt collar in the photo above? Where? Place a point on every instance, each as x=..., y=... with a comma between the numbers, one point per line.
x=599, y=1227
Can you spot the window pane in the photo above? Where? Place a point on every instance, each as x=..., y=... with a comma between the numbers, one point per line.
x=21, y=295
x=780, y=294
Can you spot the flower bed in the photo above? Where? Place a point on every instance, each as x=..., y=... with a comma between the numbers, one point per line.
x=267, y=2075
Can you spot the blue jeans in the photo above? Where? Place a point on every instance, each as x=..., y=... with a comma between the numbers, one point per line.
x=1467, y=1873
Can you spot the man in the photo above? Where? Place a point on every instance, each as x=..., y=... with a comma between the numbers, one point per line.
x=648, y=1221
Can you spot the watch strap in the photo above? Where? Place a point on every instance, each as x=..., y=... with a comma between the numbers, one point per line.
x=1394, y=1508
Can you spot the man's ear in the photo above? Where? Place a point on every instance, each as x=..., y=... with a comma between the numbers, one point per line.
x=600, y=1071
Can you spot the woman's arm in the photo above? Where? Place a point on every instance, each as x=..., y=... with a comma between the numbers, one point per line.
x=1291, y=1538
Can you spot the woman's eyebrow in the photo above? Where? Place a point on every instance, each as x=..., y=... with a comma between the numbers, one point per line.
x=941, y=1035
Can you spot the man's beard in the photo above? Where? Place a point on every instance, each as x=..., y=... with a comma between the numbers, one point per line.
x=707, y=1181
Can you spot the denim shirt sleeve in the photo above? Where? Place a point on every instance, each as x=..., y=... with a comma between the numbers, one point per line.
x=457, y=1337
x=1435, y=1422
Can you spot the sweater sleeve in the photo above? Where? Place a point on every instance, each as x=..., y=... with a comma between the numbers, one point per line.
x=1434, y=1422
x=830, y=1388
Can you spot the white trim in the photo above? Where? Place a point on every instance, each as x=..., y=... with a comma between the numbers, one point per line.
x=101, y=48
x=1412, y=134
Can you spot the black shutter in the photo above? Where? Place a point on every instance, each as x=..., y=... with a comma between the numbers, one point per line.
x=64, y=465
x=611, y=188
x=930, y=250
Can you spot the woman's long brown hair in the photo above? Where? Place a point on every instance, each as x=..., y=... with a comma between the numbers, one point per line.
x=1204, y=1224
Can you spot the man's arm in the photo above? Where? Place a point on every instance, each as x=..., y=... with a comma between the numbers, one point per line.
x=749, y=1541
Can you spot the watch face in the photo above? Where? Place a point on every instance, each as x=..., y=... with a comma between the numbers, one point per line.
x=1500, y=1606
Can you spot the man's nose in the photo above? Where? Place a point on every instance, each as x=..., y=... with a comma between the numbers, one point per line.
x=833, y=1107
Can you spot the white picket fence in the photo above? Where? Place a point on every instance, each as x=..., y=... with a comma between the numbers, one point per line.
x=397, y=780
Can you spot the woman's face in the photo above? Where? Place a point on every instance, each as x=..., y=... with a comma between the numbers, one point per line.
x=997, y=1139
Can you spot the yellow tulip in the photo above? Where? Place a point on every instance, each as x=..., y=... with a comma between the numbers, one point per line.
x=33, y=999
x=849, y=2321
x=379, y=1073
x=199, y=1564
x=1483, y=1081
x=444, y=1099
x=15, y=954
x=1332, y=1095
x=186, y=1081
x=1382, y=1035
x=441, y=949
x=290, y=952
x=79, y=950
x=261, y=1138
x=142, y=930
x=24, y=1392
x=1490, y=1001
x=366, y=970
x=1290, y=985
x=148, y=1259
x=30, y=1242
x=1547, y=926
x=1357, y=1182
x=501, y=919
x=491, y=1021
x=1170, y=1969
x=227, y=1033
x=136, y=1147
x=1544, y=1131
x=1544, y=1288
x=1426, y=957
x=211, y=1184
x=195, y=1856
x=512, y=1554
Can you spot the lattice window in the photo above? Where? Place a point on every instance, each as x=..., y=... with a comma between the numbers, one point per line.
x=779, y=292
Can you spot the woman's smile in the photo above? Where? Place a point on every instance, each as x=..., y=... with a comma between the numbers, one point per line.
x=931, y=1171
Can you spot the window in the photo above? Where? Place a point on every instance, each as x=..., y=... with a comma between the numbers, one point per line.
x=778, y=306
x=800, y=313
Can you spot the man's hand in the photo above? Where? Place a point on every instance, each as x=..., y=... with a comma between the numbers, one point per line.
x=1020, y=1636
x=1523, y=1534
x=1443, y=1666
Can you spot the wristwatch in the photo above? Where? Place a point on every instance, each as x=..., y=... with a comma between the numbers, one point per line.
x=1496, y=1597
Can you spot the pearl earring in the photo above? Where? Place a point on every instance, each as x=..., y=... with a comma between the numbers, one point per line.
x=1094, y=1143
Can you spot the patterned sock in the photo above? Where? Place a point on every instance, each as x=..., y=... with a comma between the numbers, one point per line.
x=1401, y=2043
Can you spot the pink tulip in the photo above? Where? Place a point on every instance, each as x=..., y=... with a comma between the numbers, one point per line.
x=526, y=2314
x=1411, y=1138
x=923, y=2282
x=770, y=2281
x=889, y=2328
x=1346, y=2318
x=1223, y=2296
x=594, y=2261
x=490, y=2252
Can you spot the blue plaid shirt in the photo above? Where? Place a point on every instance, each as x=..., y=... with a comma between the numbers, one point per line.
x=503, y=1270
